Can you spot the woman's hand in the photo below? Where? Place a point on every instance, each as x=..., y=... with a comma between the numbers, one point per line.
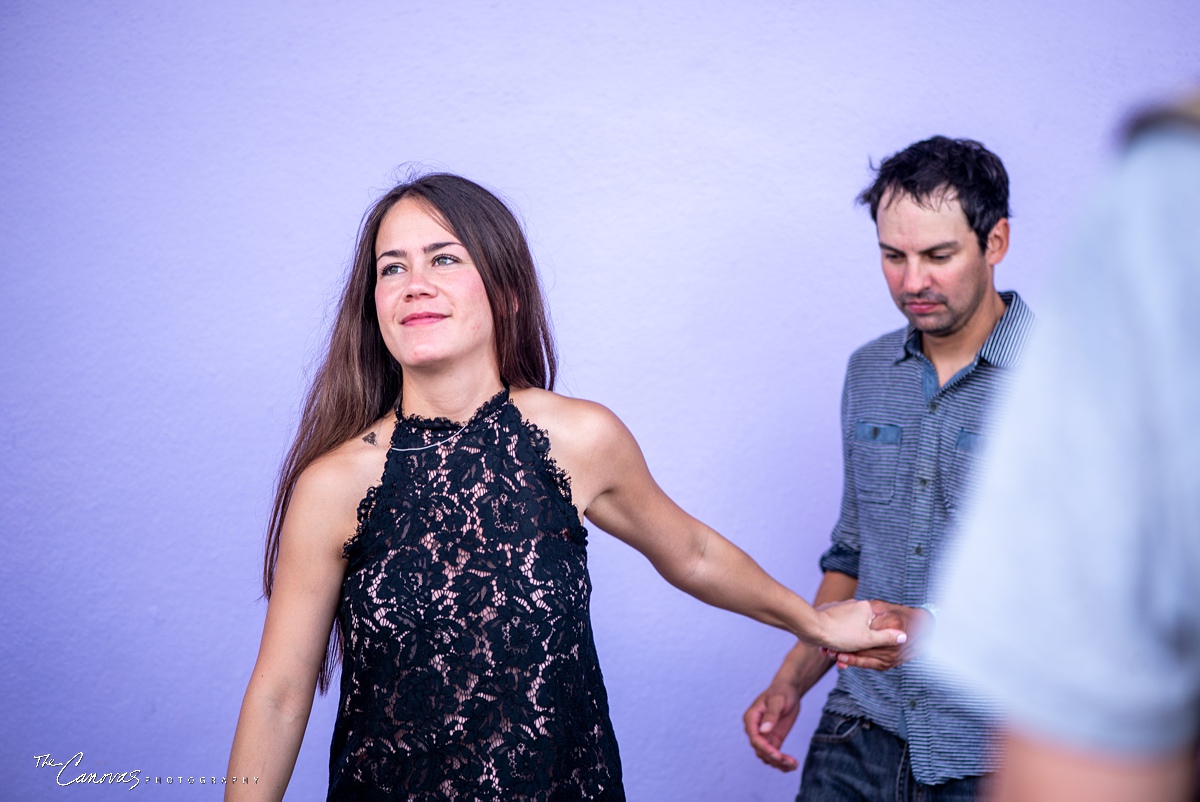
x=846, y=627
x=914, y=621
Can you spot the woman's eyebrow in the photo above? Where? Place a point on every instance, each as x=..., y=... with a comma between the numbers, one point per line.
x=400, y=253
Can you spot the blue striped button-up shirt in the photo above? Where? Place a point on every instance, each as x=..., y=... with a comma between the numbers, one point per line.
x=910, y=449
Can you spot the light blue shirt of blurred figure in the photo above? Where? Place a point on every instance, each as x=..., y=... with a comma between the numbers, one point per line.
x=1073, y=597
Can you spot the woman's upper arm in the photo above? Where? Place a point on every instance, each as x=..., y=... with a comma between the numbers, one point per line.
x=307, y=586
x=610, y=483
x=629, y=504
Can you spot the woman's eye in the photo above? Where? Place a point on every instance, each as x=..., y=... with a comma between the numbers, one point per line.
x=391, y=270
x=444, y=259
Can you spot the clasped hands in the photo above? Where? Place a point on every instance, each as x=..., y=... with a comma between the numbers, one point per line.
x=770, y=717
x=914, y=621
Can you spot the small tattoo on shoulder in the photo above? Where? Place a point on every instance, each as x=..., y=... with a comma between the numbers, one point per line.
x=369, y=437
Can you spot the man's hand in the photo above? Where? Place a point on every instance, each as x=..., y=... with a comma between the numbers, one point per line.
x=769, y=720
x=912, y=620
x=770, y=717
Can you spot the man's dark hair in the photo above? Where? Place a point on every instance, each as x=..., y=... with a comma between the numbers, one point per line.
x=963, y=169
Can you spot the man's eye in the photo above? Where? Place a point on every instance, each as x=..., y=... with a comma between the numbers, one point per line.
x=940, y=257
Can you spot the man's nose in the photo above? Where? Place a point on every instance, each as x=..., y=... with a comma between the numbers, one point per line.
x=916, y=278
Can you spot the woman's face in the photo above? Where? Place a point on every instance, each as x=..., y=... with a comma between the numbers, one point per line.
x=433, y=308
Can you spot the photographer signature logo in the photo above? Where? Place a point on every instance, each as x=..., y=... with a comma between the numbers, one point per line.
x=71, y=772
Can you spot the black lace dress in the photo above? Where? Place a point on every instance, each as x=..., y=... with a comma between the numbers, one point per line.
x=469, y=670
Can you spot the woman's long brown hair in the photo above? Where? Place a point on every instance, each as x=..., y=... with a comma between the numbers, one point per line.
x=359, y=380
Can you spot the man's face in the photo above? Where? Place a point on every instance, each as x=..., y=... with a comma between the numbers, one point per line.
x=934, y=268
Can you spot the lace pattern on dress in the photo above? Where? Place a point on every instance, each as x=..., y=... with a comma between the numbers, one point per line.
x=365, y=508
x=541, y=444
x=469, y=669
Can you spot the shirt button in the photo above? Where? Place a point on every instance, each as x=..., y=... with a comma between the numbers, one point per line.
x=912, y=704
x=917, y=550
x=933, y=406
x=922, y=481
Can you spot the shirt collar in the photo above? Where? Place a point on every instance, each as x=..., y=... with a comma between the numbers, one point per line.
x=1002, y=348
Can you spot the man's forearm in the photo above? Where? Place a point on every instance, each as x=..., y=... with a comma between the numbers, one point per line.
x=835, y=587
x=805, y=665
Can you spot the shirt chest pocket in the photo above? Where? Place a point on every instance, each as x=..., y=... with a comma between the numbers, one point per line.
x=961, y=468
x=875, y=459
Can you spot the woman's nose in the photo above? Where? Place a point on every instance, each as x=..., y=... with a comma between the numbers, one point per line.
x=419, y=284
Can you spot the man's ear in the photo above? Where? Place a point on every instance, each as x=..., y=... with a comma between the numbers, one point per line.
x=997, y=243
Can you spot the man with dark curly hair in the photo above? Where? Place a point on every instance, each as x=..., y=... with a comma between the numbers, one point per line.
x=915, y=412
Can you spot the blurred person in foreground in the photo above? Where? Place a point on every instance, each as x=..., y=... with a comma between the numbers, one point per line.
x=915, y=409
x=1083, y=553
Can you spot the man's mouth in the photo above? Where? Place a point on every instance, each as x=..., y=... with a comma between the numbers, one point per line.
x=922, y=306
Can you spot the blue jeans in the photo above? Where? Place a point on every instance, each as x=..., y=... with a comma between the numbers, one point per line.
x=856, y=759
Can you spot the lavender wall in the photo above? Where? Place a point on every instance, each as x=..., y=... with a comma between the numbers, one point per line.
x=181, y=187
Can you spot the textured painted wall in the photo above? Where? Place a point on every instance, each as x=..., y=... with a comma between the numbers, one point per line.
x=181, y=186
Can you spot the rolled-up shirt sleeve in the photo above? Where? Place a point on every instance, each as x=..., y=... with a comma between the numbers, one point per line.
x=843, y=553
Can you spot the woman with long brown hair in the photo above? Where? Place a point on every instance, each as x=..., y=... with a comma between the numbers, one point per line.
x=431, y=506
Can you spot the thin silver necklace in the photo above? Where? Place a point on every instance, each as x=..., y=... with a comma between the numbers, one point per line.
x=438, y=443
x=451, y=437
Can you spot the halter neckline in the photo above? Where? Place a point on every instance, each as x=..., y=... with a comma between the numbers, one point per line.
x=439, y=423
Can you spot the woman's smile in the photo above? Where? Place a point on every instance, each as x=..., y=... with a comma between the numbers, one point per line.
x=422, y=318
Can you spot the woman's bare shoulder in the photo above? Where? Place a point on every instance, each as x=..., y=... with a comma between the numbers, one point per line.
x=586, y=439
x=573, y=421
x=335, y=483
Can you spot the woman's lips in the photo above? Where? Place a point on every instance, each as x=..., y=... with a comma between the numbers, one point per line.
x=421, y=318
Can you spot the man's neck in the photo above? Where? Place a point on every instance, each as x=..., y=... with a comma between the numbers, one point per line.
x=953, y=352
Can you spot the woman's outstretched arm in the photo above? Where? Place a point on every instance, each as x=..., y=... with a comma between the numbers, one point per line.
x=308, y=577
x=696, y=559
